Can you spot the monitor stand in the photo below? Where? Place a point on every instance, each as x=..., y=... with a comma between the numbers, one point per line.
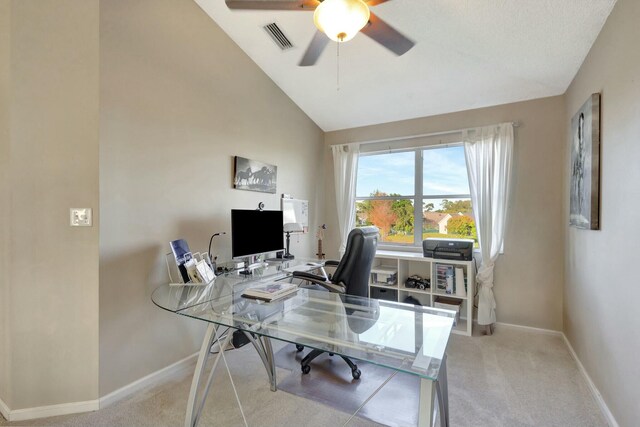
x=249, y=266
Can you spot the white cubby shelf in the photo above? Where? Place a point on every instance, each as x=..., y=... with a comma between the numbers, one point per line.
x=411, y=263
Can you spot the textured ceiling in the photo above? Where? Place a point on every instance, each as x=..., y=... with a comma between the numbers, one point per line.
x=468, y=54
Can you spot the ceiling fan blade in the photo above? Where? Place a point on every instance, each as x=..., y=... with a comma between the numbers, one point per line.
x=387, y=36
x=272, y=4
x=317, y=45
x=374, y=2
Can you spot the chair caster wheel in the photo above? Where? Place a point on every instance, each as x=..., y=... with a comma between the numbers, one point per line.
x=306, y=369
x=356, y=373
x=299, y=347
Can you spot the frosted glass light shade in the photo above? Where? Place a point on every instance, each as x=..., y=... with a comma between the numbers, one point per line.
x=341, y=20
x=292, y=227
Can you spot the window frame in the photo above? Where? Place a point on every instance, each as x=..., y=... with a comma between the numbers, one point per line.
x=418, y=197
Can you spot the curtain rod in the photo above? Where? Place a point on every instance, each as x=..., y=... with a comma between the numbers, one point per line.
x=423, y=135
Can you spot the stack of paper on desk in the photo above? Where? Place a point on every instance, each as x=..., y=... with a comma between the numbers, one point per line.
x=270, y=291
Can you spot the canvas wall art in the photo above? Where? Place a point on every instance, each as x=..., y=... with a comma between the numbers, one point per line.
x=584, y=204
x=254, y=176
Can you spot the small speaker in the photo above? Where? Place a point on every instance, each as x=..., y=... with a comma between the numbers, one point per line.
x=239, y=339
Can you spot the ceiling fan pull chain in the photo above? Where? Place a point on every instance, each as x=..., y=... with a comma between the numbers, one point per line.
x=338, y=68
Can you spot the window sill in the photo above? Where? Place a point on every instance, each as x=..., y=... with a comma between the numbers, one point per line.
x=415, y=249
x=399, y=248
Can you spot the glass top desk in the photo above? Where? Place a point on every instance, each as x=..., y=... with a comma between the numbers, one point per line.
x=401, y=337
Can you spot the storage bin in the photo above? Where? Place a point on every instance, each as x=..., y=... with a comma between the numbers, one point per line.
x=384, y=294
x=384, y=275
x=449, y=304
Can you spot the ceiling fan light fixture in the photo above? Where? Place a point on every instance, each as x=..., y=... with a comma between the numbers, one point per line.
x=341, y=20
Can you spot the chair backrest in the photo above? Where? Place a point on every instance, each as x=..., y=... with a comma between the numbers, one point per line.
x=355, y=266
x=368, y=312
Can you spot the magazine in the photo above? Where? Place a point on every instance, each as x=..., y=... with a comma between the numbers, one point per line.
x=182, y=255
x=444, y=277
x=270, y=291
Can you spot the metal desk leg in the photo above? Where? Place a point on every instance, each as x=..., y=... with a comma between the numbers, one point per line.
x=428, y=391
x=442, y=389
x=426, y=409
x=268, y=350
x=264, y=350
x=195, y=405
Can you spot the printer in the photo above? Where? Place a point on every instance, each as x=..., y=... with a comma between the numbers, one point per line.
x=456, y=249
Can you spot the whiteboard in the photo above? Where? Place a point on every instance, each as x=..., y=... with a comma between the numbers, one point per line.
x=294, y=210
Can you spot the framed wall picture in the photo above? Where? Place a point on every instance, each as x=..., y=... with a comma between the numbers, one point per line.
x=254, y=176
x=584, y=203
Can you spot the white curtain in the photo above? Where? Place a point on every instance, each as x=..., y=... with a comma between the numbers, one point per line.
x=488, y=152
x=345, y=167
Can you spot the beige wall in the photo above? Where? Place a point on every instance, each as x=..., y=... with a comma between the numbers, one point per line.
x=53, y=268
x=601, y=292
x=5, y=79
x=178, y=100
x=528, y=285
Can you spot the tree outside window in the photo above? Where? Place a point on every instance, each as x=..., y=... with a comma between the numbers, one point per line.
x=394, y=217
x=385, y=195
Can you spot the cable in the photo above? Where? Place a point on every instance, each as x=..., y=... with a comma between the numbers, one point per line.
x=222, y=337
x=338, y=68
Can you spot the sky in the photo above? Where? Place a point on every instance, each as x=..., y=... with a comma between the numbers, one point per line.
x=444, y=172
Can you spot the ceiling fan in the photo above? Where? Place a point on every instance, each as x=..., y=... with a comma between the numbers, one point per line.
x=338, y=20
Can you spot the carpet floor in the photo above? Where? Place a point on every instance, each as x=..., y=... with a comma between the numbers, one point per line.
x=512, y=378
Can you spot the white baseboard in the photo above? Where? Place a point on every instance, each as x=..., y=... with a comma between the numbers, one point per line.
x=48, y=411
x=4, y=410
x=531, y=329
x=594, y=390
x=93, y=405
x=149, y=380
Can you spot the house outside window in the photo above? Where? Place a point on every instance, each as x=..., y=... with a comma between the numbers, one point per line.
x=415, y=193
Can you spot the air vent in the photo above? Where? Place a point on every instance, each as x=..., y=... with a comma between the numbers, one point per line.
x=278, y=36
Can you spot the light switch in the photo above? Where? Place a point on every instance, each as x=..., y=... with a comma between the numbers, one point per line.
x=81, y=217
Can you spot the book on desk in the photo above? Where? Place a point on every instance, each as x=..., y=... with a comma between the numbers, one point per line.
x=270, y=291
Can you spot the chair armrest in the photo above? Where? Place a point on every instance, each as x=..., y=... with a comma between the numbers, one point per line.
x=318, y=280
x=331, y=263
x=309, y=276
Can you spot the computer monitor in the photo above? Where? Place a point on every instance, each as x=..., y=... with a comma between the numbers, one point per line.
x=255, y=232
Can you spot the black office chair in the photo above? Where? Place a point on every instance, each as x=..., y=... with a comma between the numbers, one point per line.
x=351, y=277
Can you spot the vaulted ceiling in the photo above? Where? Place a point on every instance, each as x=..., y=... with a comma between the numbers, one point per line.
x=468, y=54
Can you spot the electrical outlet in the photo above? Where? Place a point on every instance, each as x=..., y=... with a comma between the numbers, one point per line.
x=81, y=217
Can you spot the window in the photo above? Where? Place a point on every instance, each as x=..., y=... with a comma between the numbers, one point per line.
x=414, y=194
